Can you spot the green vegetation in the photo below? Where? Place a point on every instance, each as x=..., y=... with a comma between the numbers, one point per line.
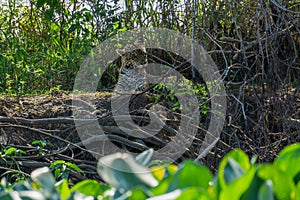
x=7, y=157
x=129, y=178
x=43, y=42
x=166, y=94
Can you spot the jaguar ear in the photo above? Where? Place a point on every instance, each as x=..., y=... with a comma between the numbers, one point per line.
x=120, y=52
x=142, y=47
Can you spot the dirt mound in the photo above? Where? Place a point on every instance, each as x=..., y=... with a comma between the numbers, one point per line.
x=43, y=127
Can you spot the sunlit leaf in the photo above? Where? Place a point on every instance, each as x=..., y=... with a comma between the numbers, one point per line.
x=265, y=191
x=297, y=192
x=10, y=151
x=168, y=196
x=288, y=160
x=232, y=171
x=190, y=174
x=144, y=158
x=194, y=193
x=239, y=161
x=63, y=188
x=73, y=166
x=234, y=175
x=90, y=188
x=282, y=183
x=118, y=168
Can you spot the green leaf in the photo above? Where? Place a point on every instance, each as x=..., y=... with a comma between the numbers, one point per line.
x=266, y=191
x=54, y=27
x=36, y=142
x=252, y=191
x=78, y=196
x=297, y=192
x=232, y=171
x=45, y=179
x=63, y=189
x=283, y=184
x=73, y=166
x=170, y=195
x=145, y=157
x=90, y=188
x=57, y=173
x=194, y=193
x=121, y=170
x=236, y=159
x=31, y=195
x=9, y=195
x=190, y=175
x=253, y=160
x=162, y=187
x=235, y=175
x=21, y=186
x=236, y=189
x=160, y=171
x=57, y=164
x=137, y=194
x=129, y=178
x=288, y=161
x=19, y=151
x=10, y=151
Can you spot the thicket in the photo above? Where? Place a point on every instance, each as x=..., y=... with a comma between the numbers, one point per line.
x=44, y=42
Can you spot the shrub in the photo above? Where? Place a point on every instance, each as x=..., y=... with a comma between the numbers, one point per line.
x=132, y=178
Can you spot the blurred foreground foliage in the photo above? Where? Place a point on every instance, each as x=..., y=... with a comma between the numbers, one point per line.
x=138, y=178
